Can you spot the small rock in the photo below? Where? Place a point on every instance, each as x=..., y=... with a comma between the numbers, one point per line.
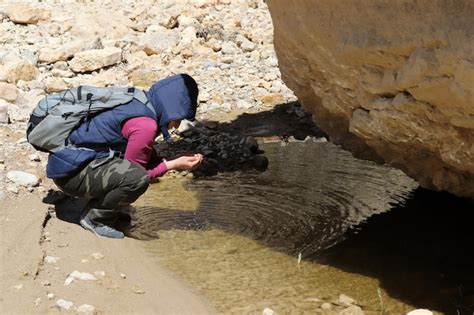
x=50, y=296
x=68, y=280
x=8, y=92
x=90, y=60
x=51, y=259
x=19, y=286
x=46, y=283
x=229, y=48
x=97, y=256
x=137, y=290
x=123, y=276
x=85, y=276
x=246, y=45
x=346, y=300
x=420, y=311
x=23, y=178
x=24, y=14
x=326, y=306
x=352, y=310
x=37, y=301
x=63, y=304
x=268, y=311
x=86, y=309
x=84, y=261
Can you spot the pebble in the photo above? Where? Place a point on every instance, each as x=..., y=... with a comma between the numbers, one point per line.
x=51, y=259
x=86, y=309
x=23, y=178
x=37, y=301
x=326, y=306
x=268, y=311
x=137, y=290
x=19, y=286
x=68, y=280
x=46, y=283
x=97, y=256
x=123, y=276
x=82, y=276
x=346, y=300
x=50, y=296
x=77, y=275
x=63, y=304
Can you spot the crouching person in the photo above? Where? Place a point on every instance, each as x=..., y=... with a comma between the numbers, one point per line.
x=110, y=159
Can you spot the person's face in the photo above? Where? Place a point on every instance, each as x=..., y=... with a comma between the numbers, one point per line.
x=174, y=124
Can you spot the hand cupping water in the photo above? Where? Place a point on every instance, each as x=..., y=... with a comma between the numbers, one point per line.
x=185, y=163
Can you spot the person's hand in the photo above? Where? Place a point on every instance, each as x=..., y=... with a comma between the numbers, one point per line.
x=185, y=163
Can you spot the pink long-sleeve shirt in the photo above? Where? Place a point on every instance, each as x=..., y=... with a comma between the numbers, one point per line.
x=140, y=133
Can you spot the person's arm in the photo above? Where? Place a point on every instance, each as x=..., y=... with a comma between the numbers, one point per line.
x=140, y=133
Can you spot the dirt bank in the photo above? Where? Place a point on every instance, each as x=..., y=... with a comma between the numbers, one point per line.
x=39, y=252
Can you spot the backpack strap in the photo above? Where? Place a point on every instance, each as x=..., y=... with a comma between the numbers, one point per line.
x=140, y=95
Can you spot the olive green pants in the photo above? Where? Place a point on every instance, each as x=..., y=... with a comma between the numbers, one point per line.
x=110, y=187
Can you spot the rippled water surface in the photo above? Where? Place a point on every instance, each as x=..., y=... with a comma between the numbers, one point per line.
x=309, y=196
x=237, y=236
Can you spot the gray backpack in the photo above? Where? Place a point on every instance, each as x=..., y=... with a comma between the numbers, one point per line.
x=58, y=114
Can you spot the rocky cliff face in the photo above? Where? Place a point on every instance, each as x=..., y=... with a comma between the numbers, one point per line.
x=389, y=79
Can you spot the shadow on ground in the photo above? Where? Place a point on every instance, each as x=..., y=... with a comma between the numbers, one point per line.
x=422, y=253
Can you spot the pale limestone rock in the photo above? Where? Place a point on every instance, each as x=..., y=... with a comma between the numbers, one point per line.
x=158, y=39
x=19, y=70
x=64, y=304
x=23, y=178
x=101, y=23
x=54, y=84
x=90, y=60
x=401, y=90
x=84, y=276
x=8, y=92
x=66, y=51
x=51, y=259
x=24, y=14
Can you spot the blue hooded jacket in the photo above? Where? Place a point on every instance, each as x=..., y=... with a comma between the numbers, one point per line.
x=173, y=98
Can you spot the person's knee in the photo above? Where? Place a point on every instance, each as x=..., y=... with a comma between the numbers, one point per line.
x=136, y=180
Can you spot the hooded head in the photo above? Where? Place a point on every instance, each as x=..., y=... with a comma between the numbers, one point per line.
x=174, y=98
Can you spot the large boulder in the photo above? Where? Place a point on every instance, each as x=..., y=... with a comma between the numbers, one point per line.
x=387, y=79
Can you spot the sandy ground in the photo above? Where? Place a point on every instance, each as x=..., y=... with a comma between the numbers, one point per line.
x=129, y=281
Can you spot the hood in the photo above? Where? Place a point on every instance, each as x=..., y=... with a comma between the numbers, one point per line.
x=174, y=98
